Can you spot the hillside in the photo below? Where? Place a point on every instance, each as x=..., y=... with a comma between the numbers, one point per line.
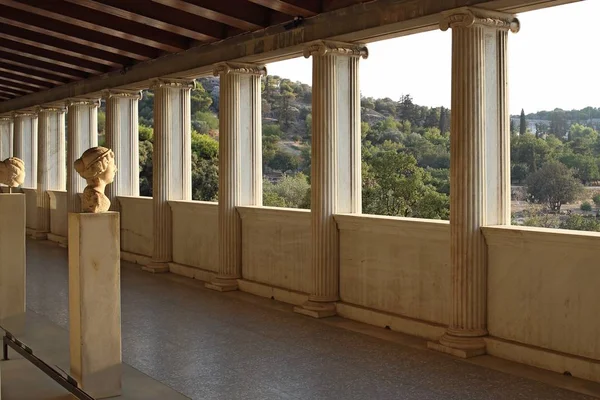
x=405, y=146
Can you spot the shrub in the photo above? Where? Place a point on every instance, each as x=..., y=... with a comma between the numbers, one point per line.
x=586, y=206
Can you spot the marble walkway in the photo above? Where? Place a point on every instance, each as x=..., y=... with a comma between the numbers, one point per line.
x=210, y=345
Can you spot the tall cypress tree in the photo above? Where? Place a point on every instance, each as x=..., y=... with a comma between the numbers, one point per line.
x=442, y=125
x=523, y=125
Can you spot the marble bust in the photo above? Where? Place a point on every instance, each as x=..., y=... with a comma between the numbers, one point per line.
x=97, y=167
x=12, y=172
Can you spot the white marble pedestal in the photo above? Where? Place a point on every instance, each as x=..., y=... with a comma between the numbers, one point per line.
x=95, y=302
x=12, y=255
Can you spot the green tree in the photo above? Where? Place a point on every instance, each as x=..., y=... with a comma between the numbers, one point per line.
x=291, y=191
x=101, y=122
x=553, y=185
x=522, y=123
x=395, y=185
x=200, y=100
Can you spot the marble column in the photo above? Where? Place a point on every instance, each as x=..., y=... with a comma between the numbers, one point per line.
x=51, y=172
x=25, y=144
x=480, y=166
x=82, y=133
x=122, y=136
x=336, y=163
x=240, y=162
x=6, y=137
x=172, y=162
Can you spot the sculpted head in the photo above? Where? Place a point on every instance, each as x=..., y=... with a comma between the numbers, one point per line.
x=97, y=167
x=14, y=172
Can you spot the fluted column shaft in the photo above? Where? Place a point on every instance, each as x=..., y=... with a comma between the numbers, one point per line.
x=240, y=162
x=335, y=164
x=122, y=136
x=51, y=173
x=82, y=134
x=25, y=145
x=479, y=166
x=6, y=137
x=172, y=162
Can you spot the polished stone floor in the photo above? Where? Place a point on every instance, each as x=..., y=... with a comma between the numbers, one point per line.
x=210, y=345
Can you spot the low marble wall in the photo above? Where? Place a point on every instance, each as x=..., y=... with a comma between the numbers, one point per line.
x=137, y=226
x=543, y=289
x=196, y=234
x=399, y=266
x=276, y=248
x=58, y=212
x=31, y=208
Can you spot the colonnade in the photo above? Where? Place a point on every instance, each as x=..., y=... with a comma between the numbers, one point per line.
x=480, y=187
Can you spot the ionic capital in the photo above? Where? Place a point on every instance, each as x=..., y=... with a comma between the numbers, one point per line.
x=83, y=102
x=24, y=114
x=173, y=83
x=239, y=68
x=323, y=47
x=6, y=118
x=466, y=17
x=57, y=109
x=123, y=93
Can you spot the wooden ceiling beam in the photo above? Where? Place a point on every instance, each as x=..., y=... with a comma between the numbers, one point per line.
x=156, y=16
x=87, y=37
x=294, y=8
x=33, y=73
x=10, y=92
x=29, y=82
x=17, y=87
x=81, y=17
x=52, y=57
x=22, y=61
x=63, y=46
x=239, y=14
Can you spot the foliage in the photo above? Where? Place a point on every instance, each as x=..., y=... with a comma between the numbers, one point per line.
x=291, y=191
x=586, y=206
x=395, y=185
x=554, y=185
x=205, y=167
x=596, y=200
x=536, y=216
x=581, y=223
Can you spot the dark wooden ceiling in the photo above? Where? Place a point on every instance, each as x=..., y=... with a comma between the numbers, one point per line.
x=46, y=43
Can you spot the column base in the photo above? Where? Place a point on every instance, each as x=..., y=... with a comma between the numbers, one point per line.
x=39, y=235
x=223, y=285
x=459, y=346
x=316, y=309
x=156, y=267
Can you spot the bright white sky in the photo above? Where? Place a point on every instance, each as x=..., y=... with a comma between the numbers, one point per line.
x=554, y=62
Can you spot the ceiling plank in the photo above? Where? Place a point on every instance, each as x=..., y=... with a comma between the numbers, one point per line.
x=295, y=8
x=106, y=24
x=157, y=18
x=5, y=97
x=31, y=82
x=235, y=13
x=10, y=91
x=63, y=46
x=88, y=37
x=15, y=86
x=58, y=50
x=52, y=57
x=33, y=73
x=19, y=60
